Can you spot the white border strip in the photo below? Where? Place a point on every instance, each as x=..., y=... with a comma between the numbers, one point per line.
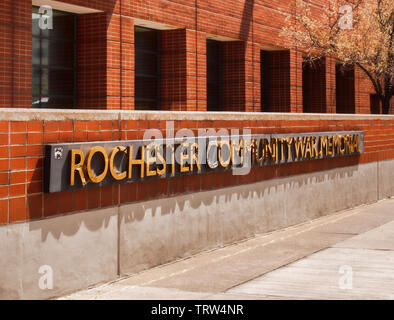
x=28, y=114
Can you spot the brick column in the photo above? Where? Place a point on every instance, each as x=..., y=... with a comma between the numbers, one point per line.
x=330, y=85
x=105, y=61
x=183, y=70
x=233, y=76
x=173, y=70
x=15, y=53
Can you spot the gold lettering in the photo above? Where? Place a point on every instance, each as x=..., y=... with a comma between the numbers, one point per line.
x=323, y=145
x=330, y=145
x=356, y=143
x=194, y=157
x=237, y=149
x=184, y=157
x=314, y=147
x=172, y=159
x=282, y=152
x=347, y=144
x=215, y=164
x=289, y=142
x=260, y=150
x=253, y=150
x=338, y=144
x=270, y=149
x=150, y=160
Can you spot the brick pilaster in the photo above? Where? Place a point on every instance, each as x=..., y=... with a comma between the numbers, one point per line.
x=330, y=85
x=233, y=81
x=295, y=81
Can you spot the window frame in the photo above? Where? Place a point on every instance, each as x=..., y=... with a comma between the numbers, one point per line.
x=265, y=81
x=219, y=82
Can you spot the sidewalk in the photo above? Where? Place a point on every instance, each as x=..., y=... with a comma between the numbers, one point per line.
x=346, y=255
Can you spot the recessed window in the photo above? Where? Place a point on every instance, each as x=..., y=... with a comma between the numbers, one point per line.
x=214, y=75
x=374, y=104
x=314, y=86
x=54, y=61
x=147, y=69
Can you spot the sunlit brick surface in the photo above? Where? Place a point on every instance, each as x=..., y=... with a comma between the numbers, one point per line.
x=106, y=81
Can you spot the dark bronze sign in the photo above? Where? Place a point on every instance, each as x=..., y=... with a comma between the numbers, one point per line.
x=79, y=165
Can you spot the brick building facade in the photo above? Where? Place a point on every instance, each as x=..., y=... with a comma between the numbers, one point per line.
x=245, y=29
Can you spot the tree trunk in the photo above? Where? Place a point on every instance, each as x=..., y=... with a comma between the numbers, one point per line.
x=387, y=95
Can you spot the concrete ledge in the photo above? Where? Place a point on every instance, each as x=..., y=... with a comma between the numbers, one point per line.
x=18, y=114
x=386, y=179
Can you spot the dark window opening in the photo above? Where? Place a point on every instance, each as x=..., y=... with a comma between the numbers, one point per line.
x=345, y=97
x=54, y=61
x=147, y=69
x=265, y=80
x=214, y=75
x=374, y=104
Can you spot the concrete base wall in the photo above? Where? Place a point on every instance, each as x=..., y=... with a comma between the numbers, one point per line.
x=95, y=246
x=81, y=250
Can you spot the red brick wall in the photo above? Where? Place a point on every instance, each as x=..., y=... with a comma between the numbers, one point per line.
x=233, y=76
x=21, y=161
x=105, y=61
x=92, y=64
x=183, y=70
x=330, y=85
x=106, y=81
x=173, y=70
x=345, y=97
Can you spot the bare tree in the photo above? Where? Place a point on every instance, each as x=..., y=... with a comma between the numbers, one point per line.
x=355, y=32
